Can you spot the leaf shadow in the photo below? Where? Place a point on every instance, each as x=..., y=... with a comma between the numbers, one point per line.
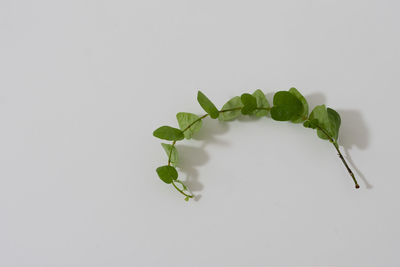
x=209, y=132
x=192, y=157
x=353, y=132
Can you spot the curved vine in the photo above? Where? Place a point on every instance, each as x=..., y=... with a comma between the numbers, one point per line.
x=287, y=106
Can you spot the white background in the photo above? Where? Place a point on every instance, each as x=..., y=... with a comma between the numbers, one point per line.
x=83, y=84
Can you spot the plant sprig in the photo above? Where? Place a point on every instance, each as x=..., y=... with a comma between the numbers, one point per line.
x=287, y=106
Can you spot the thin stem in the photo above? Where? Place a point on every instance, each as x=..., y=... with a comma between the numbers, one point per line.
x=335, y=144
x=239, y=108
x=230, y=109
x=180, y=191
x=172, y=148
x=170, y=152
x=190, y=125
x=346, y=165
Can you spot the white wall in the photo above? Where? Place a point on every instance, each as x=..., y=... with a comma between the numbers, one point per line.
x=84, y=83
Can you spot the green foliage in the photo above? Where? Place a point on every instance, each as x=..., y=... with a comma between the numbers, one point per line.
x=249, y=104
x=170, y=150
x=319, y=117
x=328, y=122
x=168, y=133
x=189, y=123
x=335, y=120
x=167, y=173
x=262, y=104
x=304, y=103
x=231, y=109
x=286, y=107
x=207, y=105
x=311, y=124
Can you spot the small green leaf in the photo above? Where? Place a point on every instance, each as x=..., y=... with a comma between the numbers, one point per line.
x=286, y=107
x=185, y=120
x=167, y=173
x=186, y=198
x=168, y=133
x=262, y=102
x=303, y=101
x=234, y=103
x=314, y=122
x=249, y=102
x=171, y=150
x=320, y=114
x=335, y=120
x=207, y=105
x=307, y=124
x=311, y=123
x=328, y=119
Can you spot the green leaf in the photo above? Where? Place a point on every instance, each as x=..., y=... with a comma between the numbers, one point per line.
x=328, y=119
x=173, y=153
x=168, y=133
x=233, y=103
x=207, y=105
x=286, y=107
x=311, y=123
x=167, y=173
x=320, y=114
x=185, y=119
x=249, y=102
x=262, y=102
x=186, y=198
x=304, y=103
x=335, y=120
x=307, y=124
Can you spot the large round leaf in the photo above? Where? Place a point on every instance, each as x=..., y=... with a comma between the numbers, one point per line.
x=286, y=107
x=304, y=103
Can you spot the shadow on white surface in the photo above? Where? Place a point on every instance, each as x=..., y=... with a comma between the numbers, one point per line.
x=192, y=157
x=354, y=133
